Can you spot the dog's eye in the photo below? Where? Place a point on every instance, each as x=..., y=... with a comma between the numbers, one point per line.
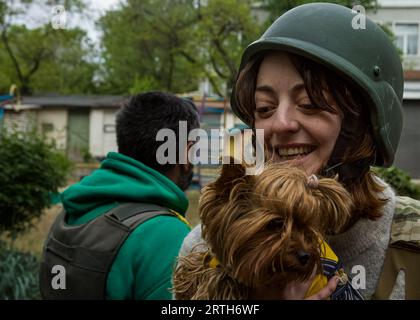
x=303, y=257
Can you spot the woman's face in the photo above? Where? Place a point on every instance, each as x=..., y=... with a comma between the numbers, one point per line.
x=294, y=128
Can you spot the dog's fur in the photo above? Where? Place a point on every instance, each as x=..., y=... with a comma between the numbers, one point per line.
x=256, y=227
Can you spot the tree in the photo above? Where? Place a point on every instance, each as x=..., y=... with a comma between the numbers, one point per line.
x=172, y=44
x=71, y=68
x=277, y=8
x=142, y=43
x=223, y=30
x=42, y=58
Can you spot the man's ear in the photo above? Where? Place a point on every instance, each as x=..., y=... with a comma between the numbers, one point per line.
x=186, y=165
x=183, y=154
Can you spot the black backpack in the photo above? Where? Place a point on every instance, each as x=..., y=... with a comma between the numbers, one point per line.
x=86, y=252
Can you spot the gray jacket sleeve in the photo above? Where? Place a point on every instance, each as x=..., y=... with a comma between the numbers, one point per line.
x=193, y=242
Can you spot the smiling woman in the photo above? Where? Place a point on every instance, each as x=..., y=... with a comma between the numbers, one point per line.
x=328, y=98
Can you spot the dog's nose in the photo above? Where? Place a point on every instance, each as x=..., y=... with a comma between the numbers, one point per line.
x=303, y=257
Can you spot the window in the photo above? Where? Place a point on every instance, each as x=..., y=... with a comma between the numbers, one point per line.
x=407, y=37
x=47, y=127
x=109, y=128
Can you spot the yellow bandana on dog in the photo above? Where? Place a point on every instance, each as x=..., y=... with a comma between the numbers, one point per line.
x=331, y=266
x=210, y=260
x=321, y=280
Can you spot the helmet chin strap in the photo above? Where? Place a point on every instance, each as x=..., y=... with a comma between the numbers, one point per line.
x=348, y=172
x=330, y=170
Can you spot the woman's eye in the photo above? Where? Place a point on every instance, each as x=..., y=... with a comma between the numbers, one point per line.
x=264, y=111
x=309, y=107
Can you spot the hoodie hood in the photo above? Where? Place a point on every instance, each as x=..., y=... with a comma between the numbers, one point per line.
x=122, y=179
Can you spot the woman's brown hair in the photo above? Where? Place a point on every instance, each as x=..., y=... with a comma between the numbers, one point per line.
x=355, y=149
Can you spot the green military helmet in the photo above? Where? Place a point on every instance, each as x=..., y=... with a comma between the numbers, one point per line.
x=323, y=32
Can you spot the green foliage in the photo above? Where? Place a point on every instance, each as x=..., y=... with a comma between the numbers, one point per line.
x=146, y=45
x=277, y=8
x=142, y=41
x=18, y=275
x=224, y=29
x=69, y=48
x=400, y=181
x=172, y=44
x=43, y=59
x=86, y=155
x=146, y=83
x=31, y=171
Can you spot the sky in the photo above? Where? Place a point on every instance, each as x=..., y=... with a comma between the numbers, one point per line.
x=398, y=2
x=103, y=4
x=98, y=7
x=36, y=16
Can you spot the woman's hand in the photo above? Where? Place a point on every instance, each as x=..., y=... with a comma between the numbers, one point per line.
x=297, y=290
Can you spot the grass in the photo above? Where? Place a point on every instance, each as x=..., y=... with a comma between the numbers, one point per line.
x=32, y=240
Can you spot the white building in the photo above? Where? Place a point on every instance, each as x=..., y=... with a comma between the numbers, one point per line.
x=403, y=18
x=83, y=126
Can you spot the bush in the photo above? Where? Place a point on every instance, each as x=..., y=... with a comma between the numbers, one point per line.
x=31, y=171
x=18, y=275
x=400, y=181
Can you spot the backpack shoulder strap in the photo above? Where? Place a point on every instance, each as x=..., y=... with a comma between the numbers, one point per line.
x=403, y=252
x=132, y=214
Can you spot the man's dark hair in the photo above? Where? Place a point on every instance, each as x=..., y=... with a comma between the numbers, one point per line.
x=143, y=115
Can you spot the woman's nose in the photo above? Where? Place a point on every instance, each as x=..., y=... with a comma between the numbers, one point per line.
x=285, y=120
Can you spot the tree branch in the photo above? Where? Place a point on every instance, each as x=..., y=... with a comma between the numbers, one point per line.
x=213, y=83
x=225, y=57
x=216, y=68
x=188, y=57
x=35, y=66
x=12, y=55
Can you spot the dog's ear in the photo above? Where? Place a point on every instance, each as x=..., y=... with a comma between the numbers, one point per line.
x=228, y=175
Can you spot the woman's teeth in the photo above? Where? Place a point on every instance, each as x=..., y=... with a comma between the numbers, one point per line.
x=293, y=152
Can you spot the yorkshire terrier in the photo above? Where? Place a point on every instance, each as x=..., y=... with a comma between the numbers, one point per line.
x=264, y=232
